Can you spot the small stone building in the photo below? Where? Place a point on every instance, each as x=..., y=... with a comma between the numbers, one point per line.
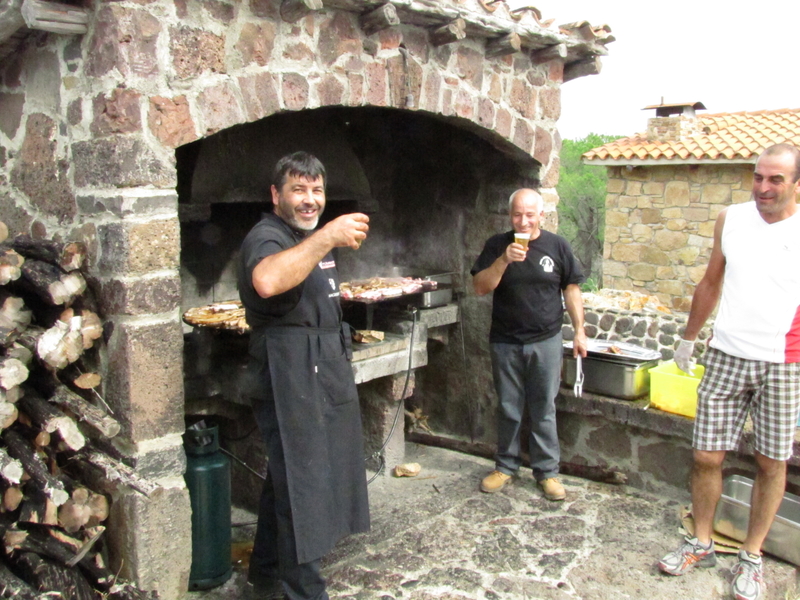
x=666, y=187
x=146, y=128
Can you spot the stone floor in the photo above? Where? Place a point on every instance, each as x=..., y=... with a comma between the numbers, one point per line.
x=437, y=537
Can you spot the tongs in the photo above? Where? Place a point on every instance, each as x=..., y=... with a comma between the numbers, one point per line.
x=577, y=389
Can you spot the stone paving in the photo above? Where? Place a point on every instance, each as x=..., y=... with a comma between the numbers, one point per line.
x=437, y=537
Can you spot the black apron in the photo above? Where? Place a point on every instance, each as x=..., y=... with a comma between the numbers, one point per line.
x=319, y=418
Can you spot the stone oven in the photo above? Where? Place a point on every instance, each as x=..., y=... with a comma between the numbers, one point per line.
x=147, y=129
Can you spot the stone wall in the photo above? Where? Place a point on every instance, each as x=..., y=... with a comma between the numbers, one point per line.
x=653, y=330
x=660, y=225
x=88, y=131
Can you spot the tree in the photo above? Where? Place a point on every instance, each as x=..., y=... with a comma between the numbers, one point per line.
x=582, y=204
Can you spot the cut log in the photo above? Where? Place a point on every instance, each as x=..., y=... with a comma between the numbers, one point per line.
x=51, y=284
x=83, y=410
x=88, y=381
x=19, y=448
x=75, y=512
x=12, y=498
x=294, y=10
x=381, y=18
x=454, y=31
x=11, y=396
x=38, y=438
x=91, y=328
x=8, y=415
x=58, y=546
x=10, y=265
x=36, y=507
x=13, y=372
x=51, y=419
x=12, y=586
x=91, y=535
x=98, y=503
x=102, y=472
x=508, y=44
x=67, y=255
x=10, y=469
x=48, y=575
x=14, y=319
x=20, y=352
x=62, y=344
x=29, y=338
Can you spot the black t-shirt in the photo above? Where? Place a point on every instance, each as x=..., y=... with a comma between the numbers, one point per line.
x=527, y=304
x=270, y=236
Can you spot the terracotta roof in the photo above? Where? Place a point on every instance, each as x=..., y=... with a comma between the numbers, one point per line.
x=729, y=137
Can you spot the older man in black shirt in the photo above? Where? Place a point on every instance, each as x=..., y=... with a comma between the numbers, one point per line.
x=525, y=337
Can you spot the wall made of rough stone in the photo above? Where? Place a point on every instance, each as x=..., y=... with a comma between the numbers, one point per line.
x=653, y=330
x=88, y=130
x=660, y=226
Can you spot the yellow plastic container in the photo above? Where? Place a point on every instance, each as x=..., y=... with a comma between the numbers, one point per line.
x=674, y=391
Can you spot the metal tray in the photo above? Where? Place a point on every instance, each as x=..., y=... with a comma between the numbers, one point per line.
x=609, y=378
x=628, y=353
x=733, y=514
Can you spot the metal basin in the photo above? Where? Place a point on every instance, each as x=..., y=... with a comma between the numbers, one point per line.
x=733, y=514
x=624, y=375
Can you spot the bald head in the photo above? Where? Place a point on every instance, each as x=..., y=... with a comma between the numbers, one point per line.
x=525, y=209
x=526, y=195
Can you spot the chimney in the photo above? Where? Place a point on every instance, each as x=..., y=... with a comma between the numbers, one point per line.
x=673, y=122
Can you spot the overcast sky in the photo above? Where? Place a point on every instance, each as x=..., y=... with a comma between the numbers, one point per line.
x=730, y=56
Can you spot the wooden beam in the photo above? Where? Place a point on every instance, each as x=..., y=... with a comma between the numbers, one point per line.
x=294, y=10
x=379, y=19
x=580, y=68
x=508, y=44
x=55, y=17
x=453, y=31
x=556, y=52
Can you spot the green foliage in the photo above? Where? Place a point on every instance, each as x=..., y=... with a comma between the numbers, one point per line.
x=581, y=209
x=590, y=285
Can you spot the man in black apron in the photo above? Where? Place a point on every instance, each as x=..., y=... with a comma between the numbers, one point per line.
x=304, y=395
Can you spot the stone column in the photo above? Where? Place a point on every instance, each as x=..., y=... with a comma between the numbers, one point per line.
x=135, y=273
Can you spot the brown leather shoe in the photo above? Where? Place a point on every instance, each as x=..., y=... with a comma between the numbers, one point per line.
x=494, y=482
x=552, y=488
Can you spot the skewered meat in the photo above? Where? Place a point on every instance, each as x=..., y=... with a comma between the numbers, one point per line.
x=379, y=288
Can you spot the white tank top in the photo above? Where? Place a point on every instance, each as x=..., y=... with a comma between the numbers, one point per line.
x=759, y=313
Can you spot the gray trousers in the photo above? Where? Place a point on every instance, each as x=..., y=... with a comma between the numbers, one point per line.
x=527, y=375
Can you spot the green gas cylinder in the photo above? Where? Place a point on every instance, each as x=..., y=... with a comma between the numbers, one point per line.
x=208, y=478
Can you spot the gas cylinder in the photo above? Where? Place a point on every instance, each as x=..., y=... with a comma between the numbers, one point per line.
x=208, y=478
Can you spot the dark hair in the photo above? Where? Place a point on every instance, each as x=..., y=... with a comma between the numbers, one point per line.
x=786, y=148
x=298, y=164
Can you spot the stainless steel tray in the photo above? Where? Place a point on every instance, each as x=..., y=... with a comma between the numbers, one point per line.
x=733, y=514
x=614, y=351
x=609, y=378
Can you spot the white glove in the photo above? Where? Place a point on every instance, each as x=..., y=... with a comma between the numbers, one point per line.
x=683, y=357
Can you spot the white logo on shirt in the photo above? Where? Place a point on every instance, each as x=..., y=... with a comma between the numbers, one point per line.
x=547, y=264
x=333, y=283
x=328, y=264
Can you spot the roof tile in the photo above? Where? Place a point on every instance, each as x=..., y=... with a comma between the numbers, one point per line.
x=741, y=136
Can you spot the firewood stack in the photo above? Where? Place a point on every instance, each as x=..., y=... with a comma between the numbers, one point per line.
x=58, y=469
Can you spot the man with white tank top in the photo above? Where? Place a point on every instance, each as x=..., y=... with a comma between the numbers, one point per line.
x=752, y=364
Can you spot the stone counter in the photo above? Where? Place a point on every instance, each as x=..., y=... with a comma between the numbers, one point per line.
x=652, y=447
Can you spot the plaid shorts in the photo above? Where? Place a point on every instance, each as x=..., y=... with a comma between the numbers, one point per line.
x=732, y=387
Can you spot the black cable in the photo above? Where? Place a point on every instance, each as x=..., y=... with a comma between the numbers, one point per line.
x=379, y=453
x=244, y=464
